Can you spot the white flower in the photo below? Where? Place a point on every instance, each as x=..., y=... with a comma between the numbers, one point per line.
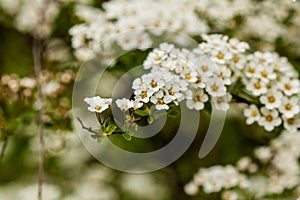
x=137, y=105
x=291, y=124
x=215, y=87
x=243, y=163
x=236, y=46
x=225, y=74
x=158, y=100
x=252, y=113
x=124, y=104
x=143, y=95
x=154, y=58
x=153, y=81
x=198, y=100
x=51, y=88
x=289, y=86
x=289, y=107
x=272, y=99
x=222, y=102
x=264, y=154
x=230, y=195
x=98, y=104
x=270, y=119
x=28, y=82
x=257, y=87
x=191, y=189
x=265, y=73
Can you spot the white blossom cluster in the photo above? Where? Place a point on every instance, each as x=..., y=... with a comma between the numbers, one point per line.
x=208, y=73
x=274, y=81
x=182, y=75
x=257, y=20
x=27, y=14
x=278, y=172
x=194, y=76
x=215, y=179
x=124, y=23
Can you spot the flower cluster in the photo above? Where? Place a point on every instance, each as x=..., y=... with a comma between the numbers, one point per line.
x=177, y=75
x=124, y=23
x=215, y=179
x=275, y=83
x=214, y=71
x=280, y=159
x=248, y=19
x=23, y=92
x=193, y=76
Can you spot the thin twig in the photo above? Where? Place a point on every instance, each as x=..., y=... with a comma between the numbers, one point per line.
x=89, y=129
x=95, y=133
x=3, y=148
x=37, y=51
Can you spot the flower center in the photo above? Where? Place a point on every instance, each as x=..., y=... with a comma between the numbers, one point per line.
x=287, y=86
x=98, y=108
x=290, y=121
x=153, y=84
x=254, y=114
x=251, y=70
x=157, y=58
x=264, y=74
x=271, y=99
x=143, y=94
x=199, y=80
x=188, y=77
x=171, y=92
x=160, y=101
x=269, y=118
x=204, y=68
x=197, y=97
x=288, y=106
x=220, y=55
x=257, y=85
x=215, y=87
x=235, y=59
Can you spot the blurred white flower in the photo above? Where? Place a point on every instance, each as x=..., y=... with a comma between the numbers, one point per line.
x=124, y=104
x=98, y=104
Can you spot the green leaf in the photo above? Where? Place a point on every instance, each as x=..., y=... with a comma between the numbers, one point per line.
x=150, y=120
x=127, y=136
x=142, y=113
x=110, y=129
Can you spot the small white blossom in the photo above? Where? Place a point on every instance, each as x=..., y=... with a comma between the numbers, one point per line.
x=198, y=100
x=289, y=107
x=252, y=113
x=269, y=119
x=124, y=104
x=98, y=104
x=272, y=99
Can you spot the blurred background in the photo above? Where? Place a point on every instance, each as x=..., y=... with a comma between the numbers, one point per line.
x=70, y=171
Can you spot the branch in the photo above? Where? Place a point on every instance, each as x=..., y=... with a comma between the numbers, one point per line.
x=37, y=51
x=95, y=133
x=89, y=129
